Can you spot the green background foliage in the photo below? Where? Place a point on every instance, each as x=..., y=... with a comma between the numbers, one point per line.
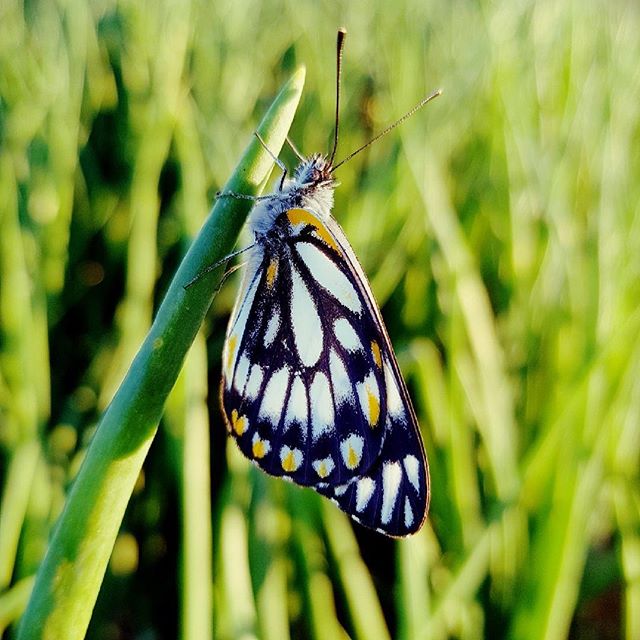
x=500, y=228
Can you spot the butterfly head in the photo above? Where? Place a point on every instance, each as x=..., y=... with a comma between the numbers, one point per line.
x=314, y=172
x=313, y=184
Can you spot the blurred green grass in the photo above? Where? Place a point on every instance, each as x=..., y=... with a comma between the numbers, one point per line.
x=500, y=229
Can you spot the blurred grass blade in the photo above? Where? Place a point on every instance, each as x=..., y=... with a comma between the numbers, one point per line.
x=360, y=594
x=495, y=419
x=22, y=403
x=71, y=573
x=320, y=605
x=196, y=593
x=235, y=574
x=269, y=556
x=413, y=595
x=186, y=421
x=628, y=513
x=13, y=601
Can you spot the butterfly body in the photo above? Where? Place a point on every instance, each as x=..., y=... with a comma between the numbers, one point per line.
x=311, y=389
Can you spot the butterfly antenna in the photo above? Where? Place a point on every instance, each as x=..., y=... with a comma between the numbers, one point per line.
x=342, y=34
x=421, y=104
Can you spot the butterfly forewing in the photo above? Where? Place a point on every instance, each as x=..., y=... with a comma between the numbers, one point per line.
x=304, y=390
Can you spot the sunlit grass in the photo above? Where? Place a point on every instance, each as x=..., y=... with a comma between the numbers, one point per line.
x=500, y=230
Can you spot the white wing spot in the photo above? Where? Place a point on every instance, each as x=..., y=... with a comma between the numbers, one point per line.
x=321, y=402
x=412, y=467
x=329, y=276
x=306, y=325
x=364, y=491
x=253, y=384
x=341, y=490
x=408, y=513
x=242, y=371
x=395, y=406
x=297, y=407
x=238, y=322
x=342, y=386
x=272, y=329
x=347, y=335
x=391, y=477
x=273, y=397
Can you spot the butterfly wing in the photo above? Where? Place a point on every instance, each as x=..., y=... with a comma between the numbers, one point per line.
x=311, y=388
x=303, y=387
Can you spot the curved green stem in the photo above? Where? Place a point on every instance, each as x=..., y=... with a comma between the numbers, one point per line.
x=69, y=578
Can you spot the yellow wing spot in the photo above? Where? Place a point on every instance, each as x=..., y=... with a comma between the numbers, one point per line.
x=377, y=357
x=259, y=450
x=298, y=216
x=272, y=272
x=289, y=462
x=324, y=467
x=374, y=407
x=232, y=343
x=352, y=458
x=238, y=423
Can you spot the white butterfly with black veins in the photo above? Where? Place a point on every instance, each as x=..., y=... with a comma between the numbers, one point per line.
x=311, y=389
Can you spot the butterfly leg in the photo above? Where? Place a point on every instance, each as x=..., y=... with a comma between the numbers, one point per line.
x=217, y=264
x=226, y=274
x=241, y=196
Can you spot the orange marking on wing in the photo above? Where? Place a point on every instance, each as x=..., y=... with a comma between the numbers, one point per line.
x=322, y=470
x=352, y=458
x=374, y=408
x=289, y=462
x=272, y=272
x=238, y=422
x=298, y=216
x=259, y=449
x=227, y=422
x=377, y=357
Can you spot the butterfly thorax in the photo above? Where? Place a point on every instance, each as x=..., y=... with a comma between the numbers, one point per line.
x=311, y=187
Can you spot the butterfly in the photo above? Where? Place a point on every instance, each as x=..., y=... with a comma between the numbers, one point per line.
x=311, y=390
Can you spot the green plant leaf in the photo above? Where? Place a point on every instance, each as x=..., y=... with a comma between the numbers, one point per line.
x=69, y=578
